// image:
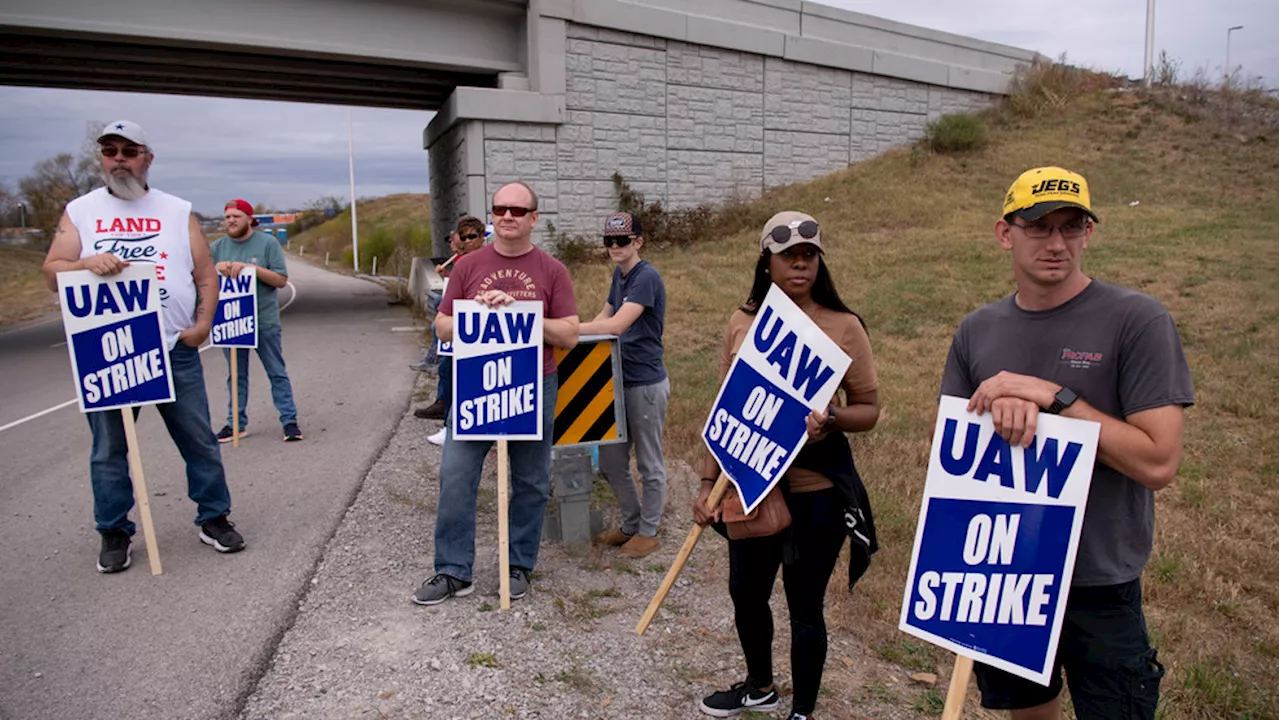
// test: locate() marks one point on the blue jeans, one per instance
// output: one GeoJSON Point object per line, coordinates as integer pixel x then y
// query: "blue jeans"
{"type": "Point", "coordinates": [187, 419]}
{"type": "Point", "coordinates": [271, 353]}
{"type": "Point", "coordinates": [530, 489]}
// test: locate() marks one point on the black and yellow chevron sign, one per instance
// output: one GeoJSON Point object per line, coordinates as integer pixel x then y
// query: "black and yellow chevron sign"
{"type": "Point", "coordinates": [586, 403]}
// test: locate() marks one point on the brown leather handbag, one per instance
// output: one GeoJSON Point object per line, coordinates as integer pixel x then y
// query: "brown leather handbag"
{"type": "Point", "coordinates": [770, 517]}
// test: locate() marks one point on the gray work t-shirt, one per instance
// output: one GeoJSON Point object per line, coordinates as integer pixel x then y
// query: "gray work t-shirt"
{"type": "Point", "coordinates": [264, 251]}
{"type": "Point", "coordinates": [641, 344]}
{"type": "Point", "coordinates": [1119, 350]}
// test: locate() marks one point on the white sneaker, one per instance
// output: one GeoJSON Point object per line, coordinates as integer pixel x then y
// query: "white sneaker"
{"type": "Point", "coordinates": [436, 438]}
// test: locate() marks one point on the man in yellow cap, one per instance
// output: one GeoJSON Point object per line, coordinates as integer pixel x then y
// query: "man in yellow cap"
{"type": "Point", "coordinates": [1068, 344]}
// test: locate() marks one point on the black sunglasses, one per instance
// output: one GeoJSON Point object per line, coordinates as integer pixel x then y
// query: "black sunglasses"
{"type": "Point", "coordinates": [617, 240]}
{"type": "Point", "coordinates": [129, 151]}
{"type": "Point", "coordinates": [515, 210]}
{"type": "Point", "coordinates": [470, 236]}
{"type": "Point", "coordinates": [782, 233]}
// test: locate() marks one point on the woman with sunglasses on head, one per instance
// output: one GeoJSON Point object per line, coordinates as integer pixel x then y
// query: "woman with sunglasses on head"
{"type": "Point", "coordinates": [822, 489]}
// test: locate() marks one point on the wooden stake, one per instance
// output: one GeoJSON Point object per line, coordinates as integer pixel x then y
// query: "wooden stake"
{"type": "Point", "coordinates": [504, 562]}
{"type": "Point", "coordinates": [140, 491]}
{"type": "Point", "coordinates": [958, 689]}
{"type": "Point", "coordinates": [713, 501]}
{"type": "Point", "coordinates": [235, 400]}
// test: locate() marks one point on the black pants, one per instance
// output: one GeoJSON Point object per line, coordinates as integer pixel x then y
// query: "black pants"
{"type": "Point", "coordinates": [817, 534]}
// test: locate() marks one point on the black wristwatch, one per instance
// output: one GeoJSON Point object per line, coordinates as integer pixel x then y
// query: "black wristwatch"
{"type": "Point", "coordinates": [1061, 401]}
{"type": "Point", "coordinates": [830, 423]}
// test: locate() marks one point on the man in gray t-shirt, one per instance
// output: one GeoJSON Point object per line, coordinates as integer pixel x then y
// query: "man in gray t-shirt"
{"type": "Point", "coordinates": [1067, 344]}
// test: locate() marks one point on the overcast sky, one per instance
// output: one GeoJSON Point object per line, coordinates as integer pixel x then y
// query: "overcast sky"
{"type": "Point", "coordinates": [284, 154]}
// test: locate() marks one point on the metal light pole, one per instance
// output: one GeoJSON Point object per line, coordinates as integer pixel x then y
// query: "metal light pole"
{"type": "Point", "coordinates": [1151, 38]}
{"type": "Point", "coordinates": [1227, 67]}
{"type": "Point", "coordinates": [351, 165]}
{"type": "Point", "coordinates": [22, 212]}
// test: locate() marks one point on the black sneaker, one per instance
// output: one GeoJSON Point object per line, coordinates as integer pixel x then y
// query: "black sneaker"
{"type": "Point", "coordinates": [117, 552]}
{"type": "Point", "coordinates": [292, 433]}
{"type": "Point", "coordinates": [519, 582]}
{"type": "Point", "coordinates": [440, 588]}
{"type": "Point", "coordinates": [221, 534]}
{"type": "Point", "coordinates": [800, 716]}
{"type": "Point", "coordinates": [739, 699]}
{"type": "Point", "coordinates": [224, 435]}
{"type": "Point", "coordinates": [434, 411]}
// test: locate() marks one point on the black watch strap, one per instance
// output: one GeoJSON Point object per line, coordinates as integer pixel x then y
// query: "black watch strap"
{"type": "Point", "coordinates": [1061, 401]}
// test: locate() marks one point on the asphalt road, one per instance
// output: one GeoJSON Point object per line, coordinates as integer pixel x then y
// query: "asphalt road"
{"type": "Point", "coordinates": [188, 643]}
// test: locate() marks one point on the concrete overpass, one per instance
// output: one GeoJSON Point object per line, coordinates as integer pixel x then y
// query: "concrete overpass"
{"type": "Point", "coordinates": [690, 100]}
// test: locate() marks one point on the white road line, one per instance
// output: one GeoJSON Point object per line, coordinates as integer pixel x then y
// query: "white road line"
{"type": "Point", "coordinates": [68, 403]}
{"type": "Point", "coordinates": [291, 297]}
{"type": "Point", "coordinates": [73, 401]}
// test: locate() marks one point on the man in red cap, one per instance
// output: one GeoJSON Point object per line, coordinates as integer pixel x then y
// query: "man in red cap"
{"type": "Point", "coordinates": [240, 248]}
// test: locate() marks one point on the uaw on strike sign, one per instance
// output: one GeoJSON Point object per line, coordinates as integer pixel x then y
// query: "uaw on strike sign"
{"type": "Point", "coordinates": [497, 371]}
{"type": "Point", "coordinates": [115, 338]}
{"type": "Point", "coordinates": [996, 542]}
{"type": "Point", "coordinates": [785, 368]}
{"type": "Point", "coordinates": [235, 323]}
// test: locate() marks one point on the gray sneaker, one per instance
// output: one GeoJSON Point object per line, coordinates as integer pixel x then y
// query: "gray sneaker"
{"type": "Point", "coordinates": [440, 588]}
{"type": "Point", "coordinates": [519, 582]}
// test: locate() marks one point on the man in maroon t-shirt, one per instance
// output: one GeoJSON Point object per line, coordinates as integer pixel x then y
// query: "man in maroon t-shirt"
{"type": "Point", "coordinates": [510, 268]}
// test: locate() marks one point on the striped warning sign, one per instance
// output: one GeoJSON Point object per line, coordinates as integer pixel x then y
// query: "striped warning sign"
{"type": "Point", "coordinates": [588, 405]}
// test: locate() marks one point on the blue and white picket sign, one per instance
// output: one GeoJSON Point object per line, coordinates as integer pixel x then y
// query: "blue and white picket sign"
{"type": "Point", "coordinates": [444, 347]}
{"type": "Point", "coordinates": [235, 323]}
{"type": "Point", "coordinates": [785, 368]}
{"type": "Point", "coordinates": [115, 338]}
{"type": "Point", "coordinates": [997, 537]}
{"type": "Point", "coordinates": [497, 371]}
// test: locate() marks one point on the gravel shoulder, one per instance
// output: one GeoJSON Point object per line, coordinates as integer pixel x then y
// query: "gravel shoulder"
{"type": "Point", "coordinates": [359, 648]}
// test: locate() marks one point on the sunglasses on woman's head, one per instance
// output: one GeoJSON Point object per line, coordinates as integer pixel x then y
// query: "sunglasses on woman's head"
{"type": "Point", "coordinates": [515, 210]}
{"type": "Point", "coordinates": [617, 240]}
{"type": "Point", "coordinates": [129, 151]}
{"type": "Point", "coordinates": [782, 233]}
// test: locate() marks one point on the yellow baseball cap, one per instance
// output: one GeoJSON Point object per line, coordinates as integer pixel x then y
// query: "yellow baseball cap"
{"type": "Point", "coordinates": [1040, 191]}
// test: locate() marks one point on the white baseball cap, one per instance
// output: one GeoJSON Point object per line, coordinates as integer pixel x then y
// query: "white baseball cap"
{"type": "Point", "coordinates": [126, 129]}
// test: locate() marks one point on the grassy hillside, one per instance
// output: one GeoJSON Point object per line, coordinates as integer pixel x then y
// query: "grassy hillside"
{"type": "Point", "coordinates": [24, 295]}
{"type": "Point", "coordinates": [1187, 193]}
{"type": "Point", "coordinates": [387, 224]}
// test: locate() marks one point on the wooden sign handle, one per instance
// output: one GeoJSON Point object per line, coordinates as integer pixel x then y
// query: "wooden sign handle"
{"type": "Point", "coordinates": [958, 688]}
{"type": "Point", "coordinates": [140, 491]}
{"type": "Point", "coordinates": [713, 500]}
{"type": "Point", "coordinates": [504, 562]}
{"type": "Point", "coordinates": [235, 399]}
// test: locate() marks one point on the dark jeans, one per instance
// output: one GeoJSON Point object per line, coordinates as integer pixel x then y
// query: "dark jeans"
{"type": "Point", "coordinates": [1111, 667]}
{"type": "Point", "coordinates": [187, 419]}
{"type": "Point", "coordinates": [817, 533]}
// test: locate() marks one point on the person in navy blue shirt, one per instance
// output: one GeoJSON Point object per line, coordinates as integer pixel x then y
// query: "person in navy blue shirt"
{"type": "Point", "coordinates": [635, 311]}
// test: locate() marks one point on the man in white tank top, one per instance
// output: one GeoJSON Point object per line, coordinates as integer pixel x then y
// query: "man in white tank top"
{"type": "Point", "coordinates": [104, 231]}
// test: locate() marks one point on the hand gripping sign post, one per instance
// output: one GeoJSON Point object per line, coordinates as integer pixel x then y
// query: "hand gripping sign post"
{"type": "Point", "coordinates": [996, 542]}
{"type": "Point", "coordinates": [786, 368]}
{"type": "Point", "coordinates": [497, 391]}
{"type": "Point", "coordinates": [119, 358]}
{"type": "Point", "coordinates": [235, 325]}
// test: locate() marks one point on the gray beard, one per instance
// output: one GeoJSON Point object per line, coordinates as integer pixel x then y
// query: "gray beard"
{"type": "Point", "coordinates": [125, 186]}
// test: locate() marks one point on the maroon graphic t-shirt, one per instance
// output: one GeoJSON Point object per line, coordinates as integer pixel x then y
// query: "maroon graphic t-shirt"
{"type": "Point", "coordinates": [534, 275]}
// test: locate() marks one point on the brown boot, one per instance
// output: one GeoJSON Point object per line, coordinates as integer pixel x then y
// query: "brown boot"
{"type": "Point", "coordinates": [614, 537]}
{"type": "Point", "coordinates": [639, 546]}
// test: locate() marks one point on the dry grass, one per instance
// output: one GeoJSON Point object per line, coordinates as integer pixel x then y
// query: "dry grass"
{"type": "Point", "coordinates": [910, 246]}
{"type": "Point", "coordinates": [386, 223]}
{"type": "Point", "coordinates": [23, 294]}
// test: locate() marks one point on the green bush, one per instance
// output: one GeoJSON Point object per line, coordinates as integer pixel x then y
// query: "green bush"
{"type": "Point", "coordinates": [955, 133]}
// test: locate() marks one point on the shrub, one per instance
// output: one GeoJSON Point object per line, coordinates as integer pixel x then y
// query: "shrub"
{"type": "Point", "coordinates": [956, 132]}
{"type": "Point", "coordinates": [1045, 87]}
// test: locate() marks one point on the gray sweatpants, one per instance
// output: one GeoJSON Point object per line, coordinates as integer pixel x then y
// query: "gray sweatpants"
{"type": "Point", "coordinates": [646, 414]}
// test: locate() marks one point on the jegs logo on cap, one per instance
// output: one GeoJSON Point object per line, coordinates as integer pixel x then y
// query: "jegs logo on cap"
{"type": "Point", "coordinates": [1039, 191]}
